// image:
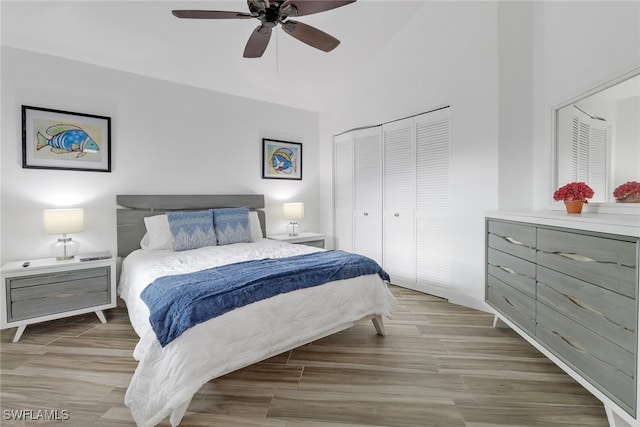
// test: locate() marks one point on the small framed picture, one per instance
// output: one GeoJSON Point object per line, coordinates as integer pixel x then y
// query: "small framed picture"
{"type": "Point", "coordinates": [281, 159]}
{"type": "Point", "coordinates": [54, 139]}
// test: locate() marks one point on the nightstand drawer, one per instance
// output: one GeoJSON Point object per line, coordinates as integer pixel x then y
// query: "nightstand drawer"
{"type": "Point", "coordinates": [59, 277]}
{"type": "Point", "coordinates": [46, 294]}
{"type": "Point", "coordinates": [306, 238]}
{"type": "Point", "coordinates": [315, 243]}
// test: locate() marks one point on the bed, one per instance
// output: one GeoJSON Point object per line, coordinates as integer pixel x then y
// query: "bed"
{"type": "Point", "coordinates": [170, 373]}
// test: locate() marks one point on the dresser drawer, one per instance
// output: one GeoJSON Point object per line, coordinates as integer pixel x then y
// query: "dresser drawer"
{"type": "Point", "coordinates": [515, 239]}
{"type": "Point", "coordinates": [514, 271]}
{"type": "Point", "coordinates": [42, 295]}
{"type": "Point", "coordinates": [606, 262]}
{"type": "Point", "coordinates": [609, 367]}
{"type": "Point", "coordinates": [609, 314]}
{"type": "Point", "coordinates": [515, 305]}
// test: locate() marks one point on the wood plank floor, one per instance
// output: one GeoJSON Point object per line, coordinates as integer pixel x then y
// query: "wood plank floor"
{"type": "Point", "coordinates": [439, 365]}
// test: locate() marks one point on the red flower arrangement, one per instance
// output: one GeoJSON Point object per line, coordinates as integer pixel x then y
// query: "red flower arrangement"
{"type": "Point", "coordinates": [628, 191]}
{"type": "Point", "coordinates": [573, 191]}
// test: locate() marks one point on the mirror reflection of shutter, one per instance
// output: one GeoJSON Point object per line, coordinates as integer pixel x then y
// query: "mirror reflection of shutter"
{"type": "Point", "coordinates": [583, 152]}
{"type": "Point", "coordinates": [599, 160]}
{"type": "Point", "coordinates": [590, 138]}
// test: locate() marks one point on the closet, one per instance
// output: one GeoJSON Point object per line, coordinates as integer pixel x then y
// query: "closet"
{"type": "Point", "coordinates": [358, 192]}
{"type": "Point", "coordinates": [391, 198]}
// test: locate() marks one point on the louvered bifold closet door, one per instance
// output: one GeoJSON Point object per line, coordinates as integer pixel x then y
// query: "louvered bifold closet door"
{"type": "Point", "coordinates": [367, 178]}
{"type": "Point", "coordinates": [398, 201]}
{"type": "Point", "coordinates": [432, 202]}
{"type": "Point", "coordinates": [343, 191]}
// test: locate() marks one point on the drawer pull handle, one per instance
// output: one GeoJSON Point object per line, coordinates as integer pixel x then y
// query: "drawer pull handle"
{"type": "Point", "coordinates": [509, 302]}
{"type": "Point", "coordinates": [512, 271]}
{"type": "Point", "coordinates": [511, 240]}
{"type": "Point", "coordinates": [514, 241]}
{"type": "Point", "coordinates": [576, 257]}
{"type": "Point", "coordinates": [507, 269]}
{"type": "Point", "coordinates": [583, 306]}
{"type": "Point", "coordinates": [581, 349]}
{"type": "Point", "coordinates": [573, 344]}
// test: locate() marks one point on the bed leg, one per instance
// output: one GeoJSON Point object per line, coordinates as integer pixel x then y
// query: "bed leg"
{"type": "Point", "coordinates": [176, 415]}
{"type": "Point", "coordinates": [378, 324]}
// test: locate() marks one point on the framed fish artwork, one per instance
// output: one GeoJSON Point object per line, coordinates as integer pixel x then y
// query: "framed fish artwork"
{"type": "Point", "coordinates": [281, 159]}
{"type": "Point", "coordinates": [55, 139]}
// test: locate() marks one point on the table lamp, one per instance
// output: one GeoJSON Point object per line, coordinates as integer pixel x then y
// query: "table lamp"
{"type": "Point", "coordinates": [293, 212]}
{"type": "Point", "coordinates": [64, 221]}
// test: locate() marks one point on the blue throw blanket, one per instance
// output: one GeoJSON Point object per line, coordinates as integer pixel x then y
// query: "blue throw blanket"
{"type": "Point", "coordinates": [178, 302]}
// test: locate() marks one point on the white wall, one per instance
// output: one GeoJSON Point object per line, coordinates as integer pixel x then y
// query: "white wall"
{"type": "Point", "coordinates": [577, 46]}
{"type": "Point", "coordinates": [450, 58]}
{"type": "Point", "coordinates": [515, 46]}
{"type": "Point", "coordinates": [166, 138]}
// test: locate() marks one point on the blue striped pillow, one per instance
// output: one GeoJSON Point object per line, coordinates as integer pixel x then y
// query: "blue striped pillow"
{"type": "Point", "coordinates": [191, 229]}
{"type": "Point", "coordinates": [232, 225]}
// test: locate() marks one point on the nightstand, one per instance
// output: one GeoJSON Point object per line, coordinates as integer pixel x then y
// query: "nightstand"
{"type": "Point", "coordinates": [306, 238]}
{"type": "Point", "coordinates": [48, 289]}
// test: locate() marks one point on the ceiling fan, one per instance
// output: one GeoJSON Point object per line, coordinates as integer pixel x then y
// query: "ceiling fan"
{"type": "Point", "coordinates": [274, 12]}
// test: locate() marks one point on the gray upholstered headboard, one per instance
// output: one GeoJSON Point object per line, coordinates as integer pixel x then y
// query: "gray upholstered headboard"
{"type": "Point", "coordinates": [132, 209]}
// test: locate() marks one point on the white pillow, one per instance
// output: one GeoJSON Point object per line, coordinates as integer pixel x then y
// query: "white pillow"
{"type": "Point", "coordinates": [254, 226]}
{"type": "Point", "coordinates": [158, 234]}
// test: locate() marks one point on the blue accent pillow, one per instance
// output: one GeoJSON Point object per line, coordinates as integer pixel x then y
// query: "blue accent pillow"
{"type": "Point", "coordinates": [232, 225]}
{"type": "Point", "coordinates": [191, 229]}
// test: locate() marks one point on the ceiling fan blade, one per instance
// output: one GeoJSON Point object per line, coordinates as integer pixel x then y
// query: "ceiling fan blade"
{"type": "Point", "coordinates": [210, 14]}
{"type": "Point", "coordinates": [257, 43]}
{"type": "Point", "coordinates": [309, 7]}
{"type": "Point", "coordinates": [310, 35]}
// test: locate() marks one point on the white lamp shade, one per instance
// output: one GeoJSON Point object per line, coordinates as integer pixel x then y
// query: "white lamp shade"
{"type": "Point", "coordinates": [293, 211]}
{"type": "Point", "coordinates": [63, 221]}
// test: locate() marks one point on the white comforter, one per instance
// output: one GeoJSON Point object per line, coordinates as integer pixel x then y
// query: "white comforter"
{"type": "Point", "coordinates": [167, 378]}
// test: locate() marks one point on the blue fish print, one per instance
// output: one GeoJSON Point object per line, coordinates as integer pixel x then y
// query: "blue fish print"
{"type": "Point", "coordinates": [282, 160]}
{"type": "Point", "coordinates": [65, 138]}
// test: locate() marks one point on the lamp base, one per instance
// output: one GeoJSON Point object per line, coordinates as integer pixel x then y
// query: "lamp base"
{"type": "Point", "coordinates": [293, 229]}
{"type": "Point", "coordinates": [64, 249]}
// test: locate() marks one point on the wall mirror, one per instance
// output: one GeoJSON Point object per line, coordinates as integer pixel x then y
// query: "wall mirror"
{"type": "Point", "coordinates": [597, 137]}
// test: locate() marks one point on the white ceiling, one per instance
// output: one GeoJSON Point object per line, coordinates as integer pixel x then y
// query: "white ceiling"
{"type": "Point", "coordinates": [143, 37]}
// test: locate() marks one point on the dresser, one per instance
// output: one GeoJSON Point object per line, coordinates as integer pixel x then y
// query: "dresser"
{"type": "Point", "coordinates": [569, 285]}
